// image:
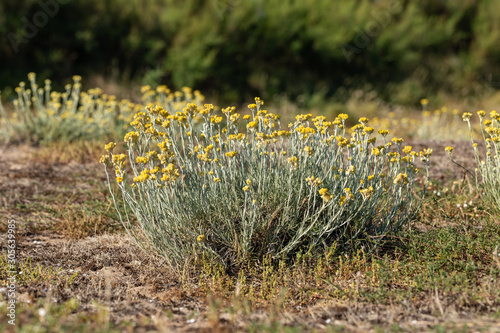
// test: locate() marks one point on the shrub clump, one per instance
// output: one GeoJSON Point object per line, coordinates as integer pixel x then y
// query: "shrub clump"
{"type": "Point", "coordinates": [42, 115]}
{"type": "Point", "coordinates": [237, 187]}
{"type": "Point", "coordinates": [487, 173]}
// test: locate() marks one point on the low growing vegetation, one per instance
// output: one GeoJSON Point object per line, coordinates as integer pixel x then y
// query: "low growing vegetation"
{"type": "Point", "coordinates": [42, 115]}
{"type": "Point", "coordinates": [315, 226]}
{"type": "Point", "coordinates": [202, 188]}
{"type": "Point", "coordinates": [487, 170]}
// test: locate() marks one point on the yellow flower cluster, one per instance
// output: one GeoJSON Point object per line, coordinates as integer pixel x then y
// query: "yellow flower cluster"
{"type": "Point", "coordinates": [309, 151]}
{"type": "Point", "coordinates": [305, 131]}
{"type": "Point", "coordinates": [303, 117]}
{"type": "Point", "coordinates": [231, 154]}
{"type": "Point", "coordinates": [144, 175]}
{"type": "Point", "coordinates": [131, 137]}
{"type": "Point", "coordinates": [105, 159]}
{"type": "Point", "coordinates": [325, 195]}
{"type": "Point", "coordinates": [251, 125]}
{"type": "Point", "coordinates": [363, 120]}
{"type": "Point", "coordinates": [367, 192]}
{"type": "Point", "coordinates": [293, 162]}
{"type": "Point", "coordinates": [110, 146]}
{"type": "Point", "coordinates": [119, 160]}
{"type": "Point", "coordinates": [401, 178]}
{"type": "Point", "coordinates": [348, 194]}
{"type": "Point", "coordinates": [236, 137]}
{"type": "Point", "coordinates": [313, 181]}
{"type": "Point", "coordinates": [141, 159]}
{"type": "Point", "coordinates": [170, 173]}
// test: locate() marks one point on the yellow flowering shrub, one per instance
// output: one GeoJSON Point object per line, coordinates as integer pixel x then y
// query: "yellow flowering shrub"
{"type": "Point", "coordinates": [44, 115]}
{"type": "Point", "coordinates": [487, 173]}
{"type": "Point", "coordinates": [248, 187]}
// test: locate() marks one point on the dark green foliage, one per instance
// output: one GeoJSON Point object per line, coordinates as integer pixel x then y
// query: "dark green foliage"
{"type": "Point", "coordinates": [241, 48]}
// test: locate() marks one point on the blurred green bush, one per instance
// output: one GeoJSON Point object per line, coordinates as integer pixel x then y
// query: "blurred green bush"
{"type": "Point", "coordinates": [404, 50]}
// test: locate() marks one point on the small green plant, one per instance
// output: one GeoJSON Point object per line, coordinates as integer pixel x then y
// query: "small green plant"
{"type": "Point", "coordinates": [28, 273]}
{"type": "Point", "coordinates": [203, 186]}
{"type": "Point", "coordinates": [488, 169]}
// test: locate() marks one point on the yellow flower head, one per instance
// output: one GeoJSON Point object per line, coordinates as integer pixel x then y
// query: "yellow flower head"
{"type": "Point", "coordinates": [427, 152]}
{"type": "Point", "coordinates": [105, 160]}
{"type": "Point", "coordinates": [323, 191]}
{"type": "Point", "coordinates": [231, 154]}
{"type": "Point", "coordinates": [252, 124]}
{"type": "Point", "coordinates": [303, 117]}
{"type": "Point", "coordinates": [313, 181]}
{"type": "Point", "coordinates": [200, 238]}
{"type": "Point", "coordinates": [325, 195]}
{"type": "Point", "coordinates": [401, 178]}
{"type": "Point", "coordinates": [492, 131]}
{"type": "Point", "coordinates": [367, 192]}
{"type": "Point", "coordinates": [368, 130]}
{"type": "Point", "coordinates": [397, 140]}
{"type": "Point", "coordinates": [357, 128]}
{"type": "Point", "coordinates": [308, 150]}
{"type": "Point", "coordinates": [363, 120]}
{"type": "Point", "coordinates": [383, 132]}
{"type": "Point", "coordinates": [110, 146]}
{"type": "Point", "coordinates": [215, 119]}
{"type": "Point", "coordinates": [293, 161]}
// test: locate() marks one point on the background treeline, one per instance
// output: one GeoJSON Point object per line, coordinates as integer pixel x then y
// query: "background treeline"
{"type": "Point", "coordinates": [236, 49]}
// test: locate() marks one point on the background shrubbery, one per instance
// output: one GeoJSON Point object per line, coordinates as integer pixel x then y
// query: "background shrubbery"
{"type": "Point", "coordinates": [235, 49]}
